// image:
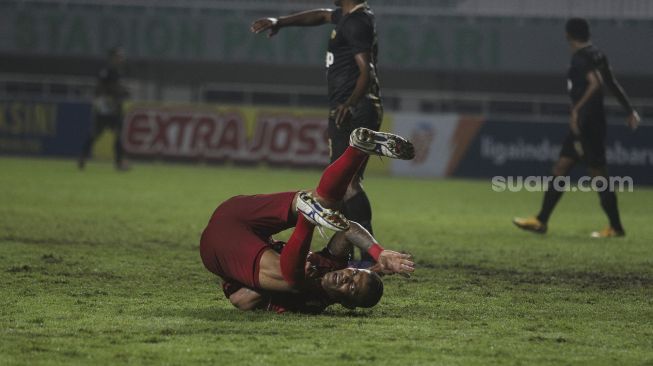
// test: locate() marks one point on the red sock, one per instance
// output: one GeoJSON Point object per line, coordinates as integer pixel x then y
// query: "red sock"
{"type": "Point", "coordinates": [336, 177]}
{"type": "Point", "coordinates": [293, 256]}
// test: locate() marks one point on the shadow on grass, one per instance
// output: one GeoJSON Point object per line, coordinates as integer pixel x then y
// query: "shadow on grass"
{"type": "Point", "coordinates": [228, 314]}
{"type": "Point", "coordinates": [578, 279]}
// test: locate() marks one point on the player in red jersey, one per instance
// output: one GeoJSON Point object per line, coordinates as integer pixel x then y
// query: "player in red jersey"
{"type": "Point", "coordinates": [259, 272]}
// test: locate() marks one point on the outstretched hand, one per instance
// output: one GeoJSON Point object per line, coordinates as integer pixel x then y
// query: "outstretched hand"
{"type": "Point", "coordinates": [633, 120]}
{"type": "Point", "coordinates": [391, 262]}
{"type": "Point", "coordinates": [263, 24]}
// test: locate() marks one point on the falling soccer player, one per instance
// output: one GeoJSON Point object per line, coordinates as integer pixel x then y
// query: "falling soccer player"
{"type": "Point", "coordinates": [353, 84]}
{"type": "Point", "coordinates": [261, 273]}
{"type": "Point", "coordinates": [585, 142]}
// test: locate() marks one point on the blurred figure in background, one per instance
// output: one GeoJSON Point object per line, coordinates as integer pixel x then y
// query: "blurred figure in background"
{"type": "Point", "coordinates": [110, 94]}
{"type": "Point", "coordinates": [588, 72]}
{"type": "Point", "coordinates": [354, 95]}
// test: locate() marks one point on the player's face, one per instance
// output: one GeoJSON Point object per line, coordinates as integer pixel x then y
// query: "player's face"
{"type": "Point", "coordinates": [347, 285]}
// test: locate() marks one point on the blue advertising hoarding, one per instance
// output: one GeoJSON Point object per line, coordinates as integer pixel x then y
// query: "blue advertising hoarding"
{"type": "Point", "coordinates": [37, 128]}
{"type": "Point", "coordinates": [519, 148]}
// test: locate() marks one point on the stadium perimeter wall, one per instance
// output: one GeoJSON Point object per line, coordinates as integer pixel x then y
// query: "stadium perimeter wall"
{"type": "Point", "coordinates": [447, 145]}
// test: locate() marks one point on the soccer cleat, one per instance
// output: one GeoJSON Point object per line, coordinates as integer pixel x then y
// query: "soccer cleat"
{"type": "Point", "coordinates": [608, 232]}
{"type": "Point", "coordinates": [530, 224]}
{"type": "Point", "coordinates": [381, 143]}
{"type": "Point", "coordinates": [320, 216]}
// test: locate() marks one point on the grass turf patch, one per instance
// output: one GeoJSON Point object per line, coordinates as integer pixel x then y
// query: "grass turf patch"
{"type": "Point", "coordinates": [103, 267]}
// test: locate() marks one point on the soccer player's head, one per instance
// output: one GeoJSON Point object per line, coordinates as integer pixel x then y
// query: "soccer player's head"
{"type": "Point", "coordinates": [578, 29]}
{"type": "Point", "coordinates": [353, 287]}
{"type": "Point", "coordinates": [116, 55]}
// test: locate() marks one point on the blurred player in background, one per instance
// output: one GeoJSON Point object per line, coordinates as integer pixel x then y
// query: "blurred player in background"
{"type": "Point", "coordinates": [110, 94]}
{"type": "Point", "coordinates": [585, 142]}
{"type": "Point", "coordinates": [354, 96]}
{"type": "Point", "coordinates": [261, 273]}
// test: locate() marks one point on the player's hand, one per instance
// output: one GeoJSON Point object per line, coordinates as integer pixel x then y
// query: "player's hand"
{"type": "Point", "coordinates": [343, 115]}
{"type": "Point", "coordinates": [392, 262]}
{"type": "Point", "coordinates": [263, 24]}
{"type": "Point", "coordinates": [633, 120]}
{"type": "Point", "coordinates": [573, 122]}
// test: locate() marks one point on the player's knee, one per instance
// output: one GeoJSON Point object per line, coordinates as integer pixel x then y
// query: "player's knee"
{"type": "Point", "coordinates": [561, 168]}
{"type": "Point", "coordinates": [598, 171]}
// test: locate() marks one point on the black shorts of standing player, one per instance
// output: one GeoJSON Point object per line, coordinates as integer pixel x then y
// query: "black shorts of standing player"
{"type": "Point", "coordinates": [589, 146]}
{"type": "Point", "coordinates": [367, 113]}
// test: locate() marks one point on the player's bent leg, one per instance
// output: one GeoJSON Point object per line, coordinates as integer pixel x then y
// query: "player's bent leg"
{"type": "Point", "coordinates": [382, 144]}
{"type": "Point", "coordinates": [539, 224]}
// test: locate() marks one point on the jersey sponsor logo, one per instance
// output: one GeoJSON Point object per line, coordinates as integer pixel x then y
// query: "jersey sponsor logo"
{"type": "Point", "coordinates": [329, 59]}
{"type": "Point", "coordinates": [274, 137]}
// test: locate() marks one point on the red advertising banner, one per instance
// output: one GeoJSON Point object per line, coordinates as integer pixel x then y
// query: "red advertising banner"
{"type": "Point", "coordinates": [241, 135]}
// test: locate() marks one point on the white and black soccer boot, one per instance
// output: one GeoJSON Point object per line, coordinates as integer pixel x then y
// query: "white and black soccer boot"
{"type": "Point", "coordinates": [322, 217]}
{"type": "Point", "coordinates": [381, 143]}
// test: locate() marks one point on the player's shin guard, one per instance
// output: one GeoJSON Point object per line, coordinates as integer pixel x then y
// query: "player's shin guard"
{"type": "Point", "coordinates": [551, 198]}
{"type": "Point", "coordinates": [337, 176]}
{"type": "Point", "coordinates": [293, 256]}
{"type": "Point", "coordinates": [609, 205]}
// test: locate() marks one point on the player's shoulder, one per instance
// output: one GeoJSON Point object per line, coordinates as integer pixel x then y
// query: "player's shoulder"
{"type": "Point", "coordinates": [590, 55]}
{"type": "Point", "coordinates": [360, 18]}
{"type": "Point", "coordinates": [324, 261]}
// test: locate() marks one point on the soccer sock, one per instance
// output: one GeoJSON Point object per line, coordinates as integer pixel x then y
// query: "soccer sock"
{"type": "Point", "coordinates": [336, 177]}
{"type": "Point", "coordinates": [358, 209]}
{"type": "Point", "coordinates": [293, 255]}
{"type": "Point", "coordinates": [609, 204]}
{"type": "Point", "coordinates": [551, 198]}
{"type": "Point", "coordinates": [118, 150]}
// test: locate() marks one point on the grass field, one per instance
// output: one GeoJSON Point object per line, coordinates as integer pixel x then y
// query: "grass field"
{"type": "Point", "coordinates": [100, 267]}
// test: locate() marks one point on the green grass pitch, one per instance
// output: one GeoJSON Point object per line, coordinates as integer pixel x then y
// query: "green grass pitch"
{"type": "Point", "coordinates": [102, 268]}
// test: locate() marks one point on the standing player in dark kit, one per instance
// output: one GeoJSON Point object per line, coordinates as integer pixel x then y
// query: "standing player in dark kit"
{"type": "Point", "coordinates": [354, 97]}
{"type": "Point", "coordinates": [586, 139]}
{"type": "Point", "coordinates": [110, 94]}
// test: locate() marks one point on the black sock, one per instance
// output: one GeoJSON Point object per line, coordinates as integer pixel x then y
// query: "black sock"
{"type": "Point", "coordinates": [551, 198]}
{"type": "Point", "coordinates": [609, 204]}
{"type": "Point", "coordinates": [358, 209]}
{"type": "Point", "coordinates": [86, 148]}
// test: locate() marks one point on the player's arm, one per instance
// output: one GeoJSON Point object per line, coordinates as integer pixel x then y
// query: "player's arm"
{"type": "Point", "coordinates": [617, 90]}
{"type": "Point", "coordinates": [594, 84]}
{"type": "Point", "coordinates": [362, 85]}
{"type": "Point", "coordinates": [388, 261]}
{"type": "Point", "coordinates": [248, 299]}
{"type": "Point", "coordinates": [308, 18]}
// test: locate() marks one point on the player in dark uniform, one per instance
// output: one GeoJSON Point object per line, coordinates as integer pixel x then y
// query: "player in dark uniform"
{"type": "Point", "coordinates": [260, 273]}
{"type": "Point", "coordinates": [354, 96]}
{"type": "Point", "coordinates": [110, 94]}
{"type": "Point", "coordinates": [585, 142]}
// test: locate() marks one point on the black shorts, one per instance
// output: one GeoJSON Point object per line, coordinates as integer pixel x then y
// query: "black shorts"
{"type": "Point", "coordinates": [367, 113]}
{"type": "Point", "coordinates": [589, 147]}
{"type": "Point", "coordinates": [113, 122]}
